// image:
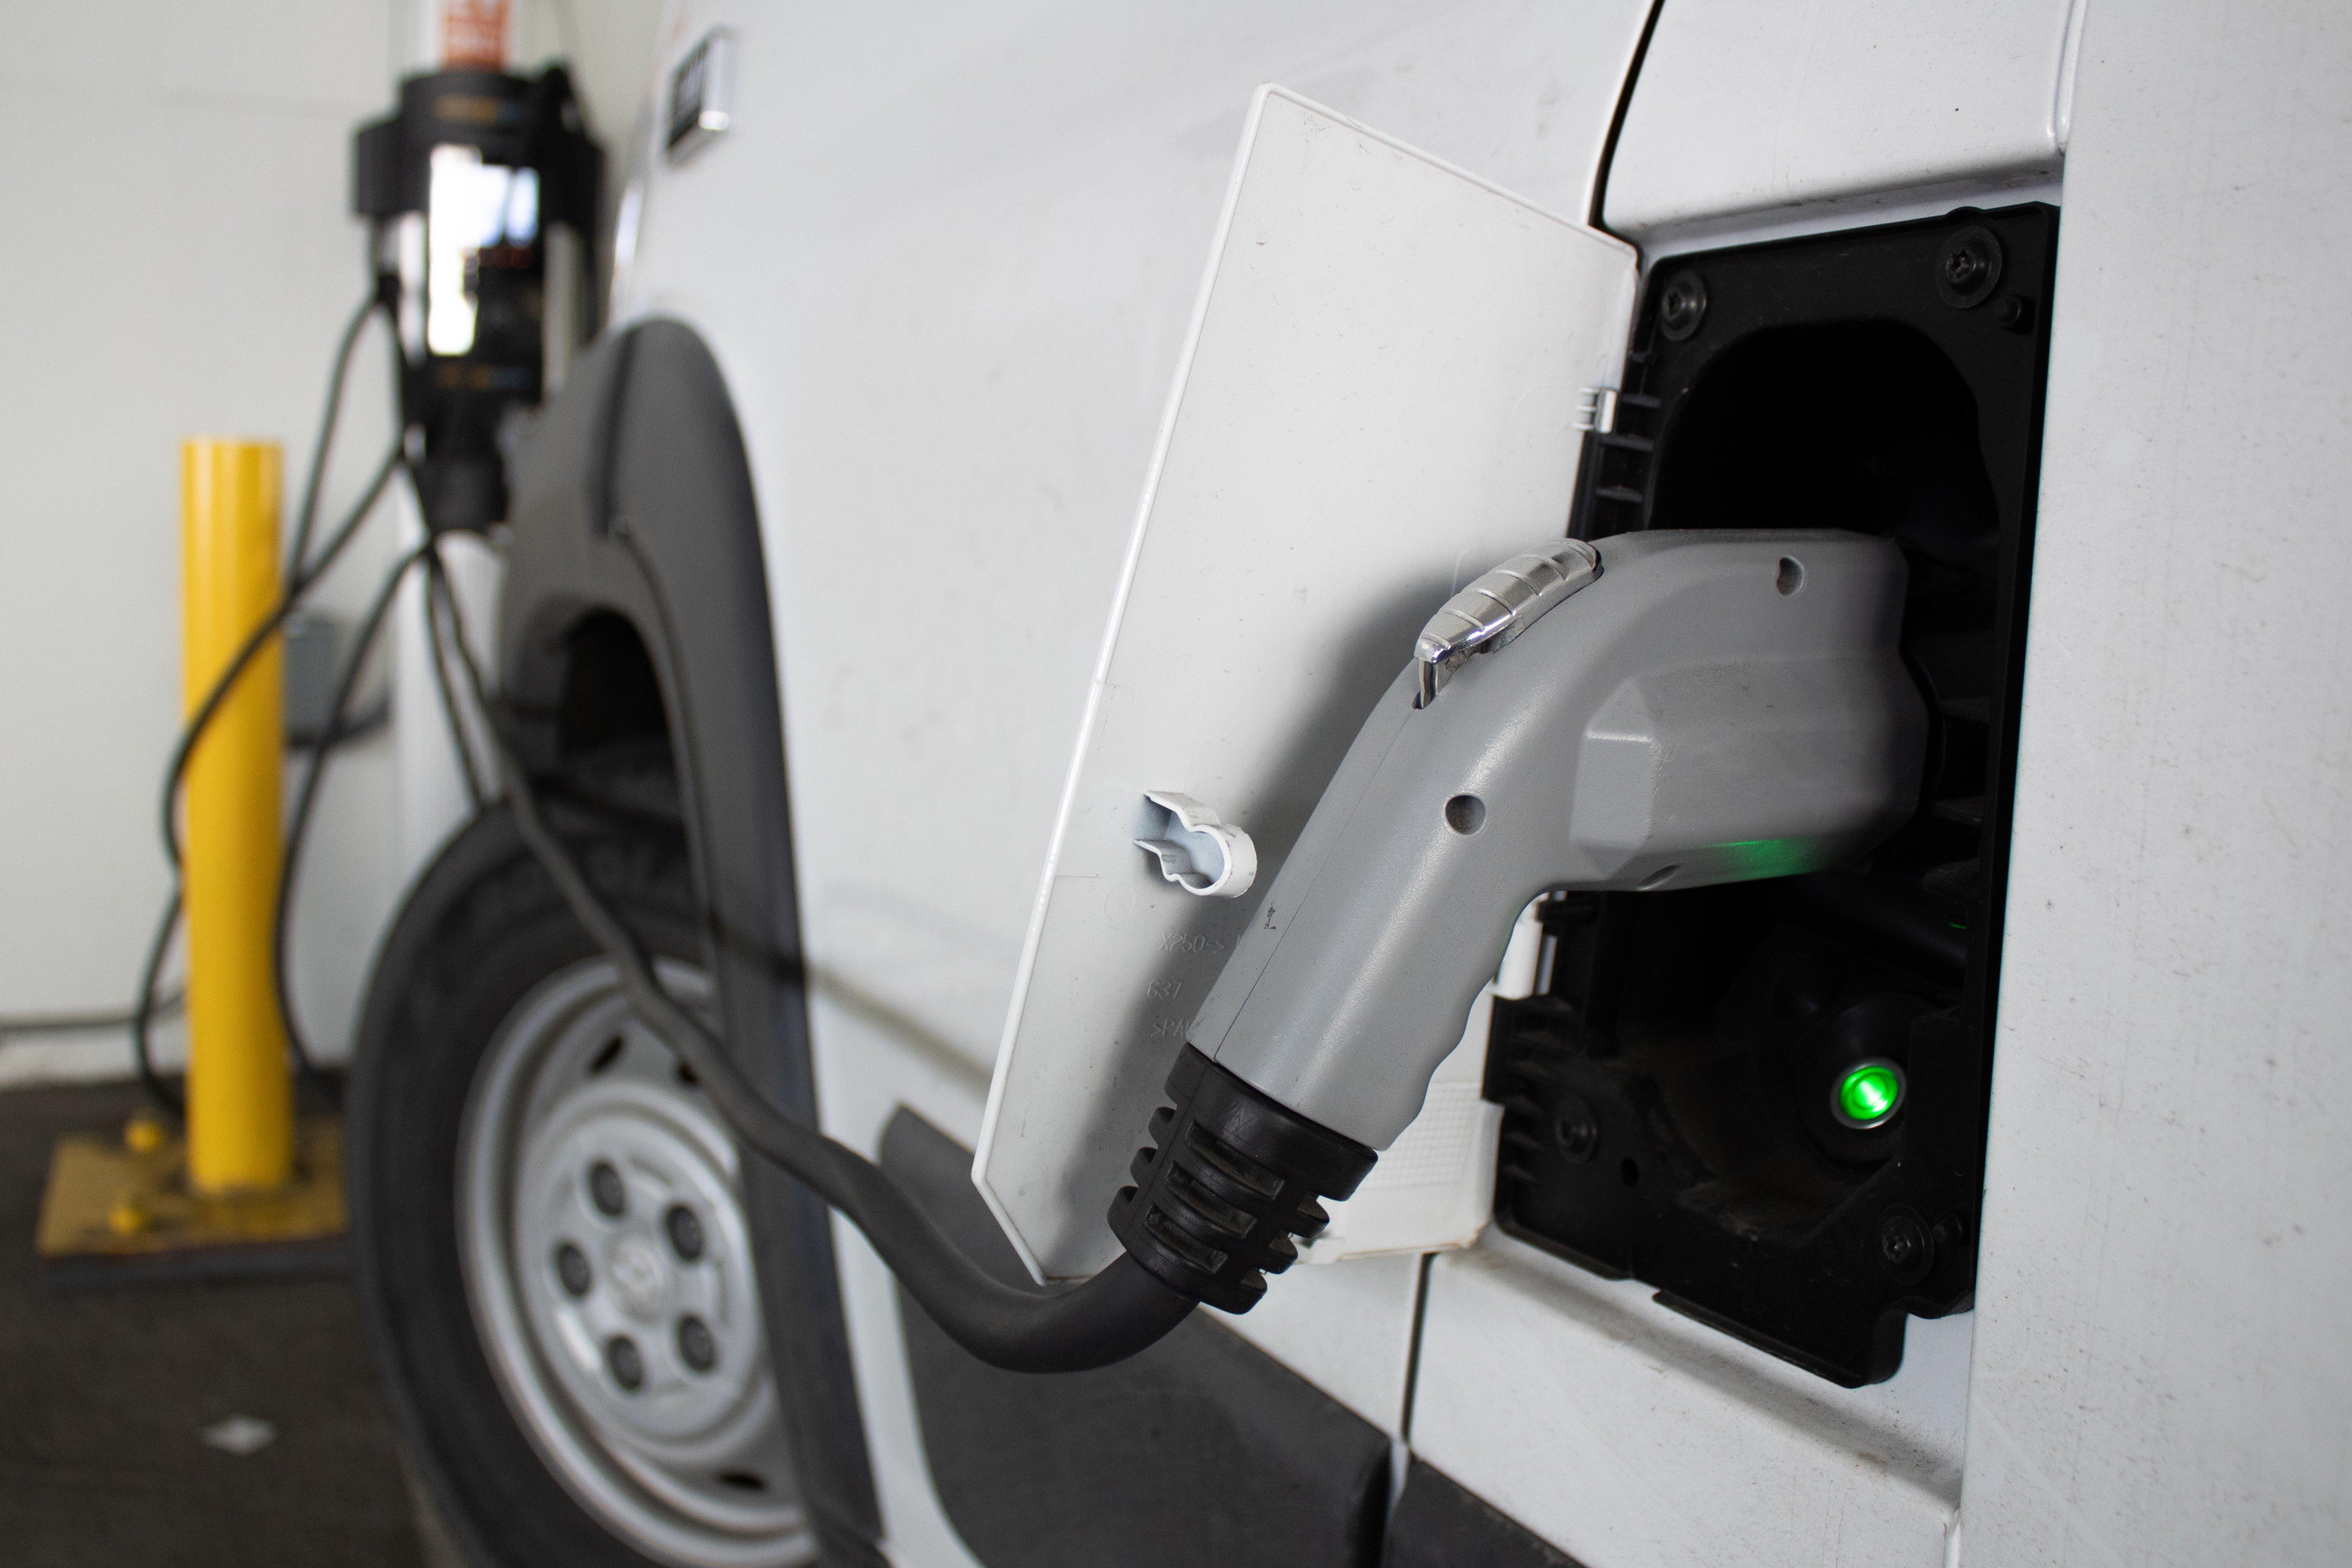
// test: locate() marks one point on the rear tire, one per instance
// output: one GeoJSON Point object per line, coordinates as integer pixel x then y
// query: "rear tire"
{"type": "Point", "coordinates": [581, 1375]}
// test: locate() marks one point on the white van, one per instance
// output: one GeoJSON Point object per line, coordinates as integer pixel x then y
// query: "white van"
{"type": "Point", "coordinates": [1009, 409]}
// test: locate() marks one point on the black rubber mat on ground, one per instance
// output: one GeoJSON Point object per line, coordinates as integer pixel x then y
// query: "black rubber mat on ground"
{"type": "Point", "coordinates": [103, 1395]}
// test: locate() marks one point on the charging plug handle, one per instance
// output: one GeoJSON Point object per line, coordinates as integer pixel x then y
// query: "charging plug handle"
{"type": "Point", "coordinates": [1696, 708]}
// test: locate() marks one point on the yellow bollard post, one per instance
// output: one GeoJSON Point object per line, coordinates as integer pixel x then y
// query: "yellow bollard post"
{"type": "Point", "coordinates": [248, 1191]}
{"type": "Point", "coordinates": [240, 1093]}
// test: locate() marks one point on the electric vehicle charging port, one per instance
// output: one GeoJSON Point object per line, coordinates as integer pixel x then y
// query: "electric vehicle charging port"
{"type": "Point", "coordinates": [1767, 1099]}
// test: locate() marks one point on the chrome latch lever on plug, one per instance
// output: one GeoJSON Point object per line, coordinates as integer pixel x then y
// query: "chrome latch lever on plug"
{"type": "Point", "coordinates": [1495, 609]}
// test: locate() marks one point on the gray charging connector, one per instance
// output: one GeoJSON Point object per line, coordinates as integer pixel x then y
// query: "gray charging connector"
{"type": "Point", "coordinates": [1702, 707]}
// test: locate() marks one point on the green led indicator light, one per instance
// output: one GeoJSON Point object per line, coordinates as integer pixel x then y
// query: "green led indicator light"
{"type": "Point", "coordinates": [1867, 1094]}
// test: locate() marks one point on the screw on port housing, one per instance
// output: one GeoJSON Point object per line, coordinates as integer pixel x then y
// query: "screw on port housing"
{"type": "Point", "coordinates": [1905, 1244]}
{"type": "Point", "coordinates": [1576, 1129]}
{"type": "Point", "coordinates": [1682, 306]}
{"type": "Point", "coordinates": [1969, 270]}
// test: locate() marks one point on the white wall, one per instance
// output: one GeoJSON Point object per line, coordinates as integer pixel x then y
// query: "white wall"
{"type": "Point", "coordinates": [177, 258]}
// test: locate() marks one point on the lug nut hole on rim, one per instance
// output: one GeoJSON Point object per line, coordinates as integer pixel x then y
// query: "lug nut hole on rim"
{"type": "Point", "coordinates": [684, 1227]}
{"type": "Point", "coordinates": [626, 1362]}
{"type": "Point", "coordinates": [572, 1268]}
{"type": "Point", "coordinates": [606, 1190]}
{"type": "Point", "coordinates": [697, 1345]}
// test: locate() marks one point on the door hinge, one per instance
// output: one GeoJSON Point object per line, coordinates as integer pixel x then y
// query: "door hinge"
{"type": "Point", "coordinates": [1596, 409]}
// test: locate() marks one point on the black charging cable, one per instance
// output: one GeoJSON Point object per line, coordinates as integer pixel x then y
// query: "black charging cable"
{"type": "Point", "coordinates": [298, 825]}
{"type": "Point", "coordinates": [440, 620]}
{"type": "Point", "coordinates": [1106, 1319]}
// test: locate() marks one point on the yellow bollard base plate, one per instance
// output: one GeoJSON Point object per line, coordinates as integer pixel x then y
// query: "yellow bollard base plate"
{"type": "Point", "coordinates": [118, 1214]}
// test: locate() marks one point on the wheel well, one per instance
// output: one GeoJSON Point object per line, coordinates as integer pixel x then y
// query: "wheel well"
{"type": "Point", "coordinates": [610, 692]}
{"type": "Point", "coordinates": [644, 430]}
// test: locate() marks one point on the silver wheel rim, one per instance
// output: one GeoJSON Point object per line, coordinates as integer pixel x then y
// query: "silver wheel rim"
{"type": "Point", "coordinates": [627, 1339]}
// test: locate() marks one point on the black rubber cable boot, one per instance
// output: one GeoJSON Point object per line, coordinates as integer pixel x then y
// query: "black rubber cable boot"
{"type": "Point", "coordinates": [1229, 1177]}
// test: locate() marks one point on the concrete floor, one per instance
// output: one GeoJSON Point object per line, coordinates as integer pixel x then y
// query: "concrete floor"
{"type": "Point", "coordinates": [103, 1395]}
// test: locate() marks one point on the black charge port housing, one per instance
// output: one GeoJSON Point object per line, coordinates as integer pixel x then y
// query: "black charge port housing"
{"type": "Point", "coordinates": [1668, 1094]}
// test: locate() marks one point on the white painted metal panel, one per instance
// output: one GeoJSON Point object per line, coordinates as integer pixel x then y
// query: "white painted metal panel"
{"type": "Point", "coordinates": [1633, 1437]}
{"type": "Point", "coordinates": [1380, 402]}
{"type": "Point", "coordinates": [1747, 113]}
{"type": "Point", "coordinates": [2165, 1288]}
{"type": "Point", "coordinates": [1347, 1327]}
{"type": "Point", "coordinates": [946, 257]}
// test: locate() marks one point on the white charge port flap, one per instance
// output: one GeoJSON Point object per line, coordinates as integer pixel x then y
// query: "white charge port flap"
{"type": "Point", "coordinates": [1206, 858]}
{"type": "Point", "coordinates": [1380, 401]}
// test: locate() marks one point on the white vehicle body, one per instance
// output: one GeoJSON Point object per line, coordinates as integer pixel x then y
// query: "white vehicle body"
{"type": "Point", "coordinates": [947, 257]}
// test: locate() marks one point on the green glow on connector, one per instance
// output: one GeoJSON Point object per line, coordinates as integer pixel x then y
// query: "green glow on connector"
{"type": "Point", "coordinates": [1869, 1093]}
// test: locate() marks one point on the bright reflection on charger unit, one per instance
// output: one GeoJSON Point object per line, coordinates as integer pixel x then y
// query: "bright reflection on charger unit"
{"type": "Point", "coordinates": [1867, 1094]}
{"type": "Point", "coordinates": [470, 205]}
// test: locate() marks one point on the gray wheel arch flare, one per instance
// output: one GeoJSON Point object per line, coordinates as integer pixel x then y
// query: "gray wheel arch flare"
{"type": "Point", "coordinates": [633, 497]}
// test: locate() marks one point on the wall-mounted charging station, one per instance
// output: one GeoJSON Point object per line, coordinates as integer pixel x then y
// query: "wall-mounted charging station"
{"type": "Point", "coordinates": [465, 181]}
